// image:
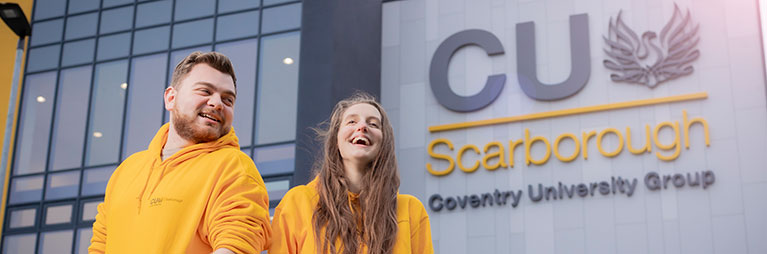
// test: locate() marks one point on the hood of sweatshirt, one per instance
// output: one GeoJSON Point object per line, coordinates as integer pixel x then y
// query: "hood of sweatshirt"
{"type": "Point", "coordinates": [159, 140]}
{"type": "Point", "coordinates": [187, 153]}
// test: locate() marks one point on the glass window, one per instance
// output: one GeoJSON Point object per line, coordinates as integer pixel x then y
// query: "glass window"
{"type": "Point", "coordinates": [58, 214]}
{"type": "Point", "coordinates": [243, 55]}
{"type": "Point", "coordinates": [78, 52]}
{"type": "Point", "coordinates": [237, 25]}
{"type": "Point", "coordinates": [247, 151]}
{"type": "Point", "coordinates": [81, 26]}
{"type": "Point", "coordinates": [69, 125]}
{"type": "Point", "coordinates": [145, 102]}
{"type": "Point", "coordinates": [84, 236]}
{"type": "Point", "coordinates": [43, 58]}
{"type": "Point", "coordinates": [49, 8]}
{"type": "Point", "coordinates": [235, 5]}
{"type": "Point", "coordinates": [19, 244]}
{"type": "Point", "coordinates": [95, 180]}
{"type": "Point", "coordinates": [271, 2]}
{"type": "Point", "coordinates": [62, 185]}
{"type": "Point", "coordinates": [281, 18]}
{"type": "Point", "coordinates": [116, 20]}
{"type": "Point", "coordinates": [26, 189]}
{"type": "Point", "coordinates": [278, 89]}
{"type": "Point", "coordinates": [277, 188]}
{"type": "Point", "coordinates": [90, 210]}
{"type": "Point", "coordinates": [22, 218]}
{"type": "Point", "coordinates": [110, 3]}
{"type": "Point", "coordinates": [192, 33]}
{"type": "Point", "coordinates": [35, 123]}
{"type": "Point", "coordinates": [153, 13]}
{"type": "Point", "coordinates": [55, 241]}
{"type": "Point", "coordinates": [188, 9]}
{"type": "Point", "coordinates": [46, 32]}
{"type": "Point", "coordinates": [150, 40]}
{"type": "Point", "coordinates": [275, 160]}
{"type": "Point", "coordinates": [113, 46]}
{"type": "Point", "coordinates": [106, 117]}
{"type": "Point", "coordinates": [76, 6]}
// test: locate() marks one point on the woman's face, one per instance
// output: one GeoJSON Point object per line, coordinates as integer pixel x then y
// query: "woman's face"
{"type": "Point", "coordinates": [359, 136]}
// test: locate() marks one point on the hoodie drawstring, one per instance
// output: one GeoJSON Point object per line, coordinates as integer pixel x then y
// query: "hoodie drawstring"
{"type": "Point", "coordinates": [141, 194]}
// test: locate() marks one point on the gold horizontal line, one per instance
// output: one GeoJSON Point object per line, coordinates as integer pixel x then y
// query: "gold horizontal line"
{"type": "Point", "coordinates": [572, 111]}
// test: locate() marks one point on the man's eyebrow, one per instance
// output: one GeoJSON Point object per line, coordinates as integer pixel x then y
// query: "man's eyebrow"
{"type": "Point", "coordinates": [211, 86]}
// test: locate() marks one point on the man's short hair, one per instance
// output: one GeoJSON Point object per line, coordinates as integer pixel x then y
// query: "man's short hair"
{"type": "Point", "coordinates": [213, 59]}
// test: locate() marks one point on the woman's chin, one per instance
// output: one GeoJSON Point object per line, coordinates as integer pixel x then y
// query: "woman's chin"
{"type": "Point", "coordinates": [359, 158]}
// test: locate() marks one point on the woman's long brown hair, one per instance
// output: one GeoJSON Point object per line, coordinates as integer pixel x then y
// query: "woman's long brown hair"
{"type": "Point", "coordinates": [377, 199]}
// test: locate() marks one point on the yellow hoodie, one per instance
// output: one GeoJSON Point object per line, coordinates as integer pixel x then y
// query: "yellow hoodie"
{"type": "Point", "coordinates": [294, 231]}
{"type": "Point", "coordinates": [204, 197]}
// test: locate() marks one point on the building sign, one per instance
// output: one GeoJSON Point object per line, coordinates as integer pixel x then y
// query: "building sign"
{"type": "Point", "coordinates": [624, 47]}
{"type": "Point", "coordinates": [590, 126]}
{"type": "Point", "coordinates": [528, 79]}
{"type": "Point", "coordinates": [672, 52]}
{"type": "Point", "coordinates": [612, 186]}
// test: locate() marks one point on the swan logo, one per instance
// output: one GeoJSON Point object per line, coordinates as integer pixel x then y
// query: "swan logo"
{"type": "Point", "coordinates": [649, 60]}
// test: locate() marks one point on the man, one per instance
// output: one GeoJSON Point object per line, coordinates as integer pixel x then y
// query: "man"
{"type": "Point", "coordinates": [192, 190]}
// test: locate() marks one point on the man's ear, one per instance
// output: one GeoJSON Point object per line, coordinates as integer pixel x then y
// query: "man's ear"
{"type": "Point", "coordinates": [170, 97]}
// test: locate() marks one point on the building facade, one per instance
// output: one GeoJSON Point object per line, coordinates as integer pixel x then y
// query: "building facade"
{"type": "Point", "coordinates": [581, 126]}
{"type": "Point", "coordinates": [522, 126]}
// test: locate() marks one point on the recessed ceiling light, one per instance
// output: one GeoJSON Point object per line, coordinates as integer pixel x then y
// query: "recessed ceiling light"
{"type": "Point", "coordinates": [287, 60]}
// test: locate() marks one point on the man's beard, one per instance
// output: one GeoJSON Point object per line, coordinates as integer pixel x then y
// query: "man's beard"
{"type": "Point", "coordinates": [188, 129]}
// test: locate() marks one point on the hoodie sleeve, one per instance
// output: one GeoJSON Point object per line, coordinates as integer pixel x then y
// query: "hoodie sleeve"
{"type": "Point", "coordinates": [99, 239]}
{"type": "Point", "coordinates": [420, 238]}
{"type": "Point", "coordinates": [287, 224]}
{"type": "Point", "coordinates": [237, 217]}
{"type": "Point", "coordinates": [283, 237]}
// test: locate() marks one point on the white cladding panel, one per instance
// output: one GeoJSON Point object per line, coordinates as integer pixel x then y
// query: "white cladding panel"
{"type": "Point", "coordinates": [729, 216]}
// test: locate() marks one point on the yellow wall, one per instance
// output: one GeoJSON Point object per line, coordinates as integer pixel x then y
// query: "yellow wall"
{"type": "Point", "coordinates": [8, 42]}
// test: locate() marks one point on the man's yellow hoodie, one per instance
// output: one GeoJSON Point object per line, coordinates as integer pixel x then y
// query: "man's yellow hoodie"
{"type": "Point", "coordinates": [205, 197]}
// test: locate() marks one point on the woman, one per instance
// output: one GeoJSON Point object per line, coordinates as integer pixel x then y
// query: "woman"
{"type": "Point", "coordinates": [353, 205]}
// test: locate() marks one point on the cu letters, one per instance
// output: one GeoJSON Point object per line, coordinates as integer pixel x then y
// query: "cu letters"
{"type": "Point", "coordinates": [526, 68]}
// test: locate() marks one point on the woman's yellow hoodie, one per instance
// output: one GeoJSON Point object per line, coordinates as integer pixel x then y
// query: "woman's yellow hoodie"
{"type": "Point", "coordinates": [294, 231]}
{"type": "Point", "coordinates": [204, 197]}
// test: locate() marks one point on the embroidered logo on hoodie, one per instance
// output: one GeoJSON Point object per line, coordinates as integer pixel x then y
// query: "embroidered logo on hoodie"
{"type": "Point", "coordinates": [154, 202]}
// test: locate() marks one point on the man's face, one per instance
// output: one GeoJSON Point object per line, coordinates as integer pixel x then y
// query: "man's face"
{"type": "Point", "coordinates": [202, 104]}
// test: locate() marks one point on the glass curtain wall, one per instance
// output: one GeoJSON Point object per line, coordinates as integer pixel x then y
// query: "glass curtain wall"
{"type": "Point", "coordinates": [92, 96]}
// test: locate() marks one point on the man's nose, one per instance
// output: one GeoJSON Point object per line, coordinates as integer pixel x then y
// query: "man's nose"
{"type": "Point", "coordinates": [216, 102]}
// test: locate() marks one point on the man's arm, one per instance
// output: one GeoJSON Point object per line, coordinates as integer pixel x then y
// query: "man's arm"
{"type": "Point", "coordinates": [237, 217]}
{"type": "Point", "coordinates": [99, 239]}
{"type": "Point", "coordinates": [223, 251]}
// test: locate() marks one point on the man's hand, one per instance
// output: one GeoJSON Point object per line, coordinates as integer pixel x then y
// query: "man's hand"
{"type": "Point", "coordinates": [223, 251]}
